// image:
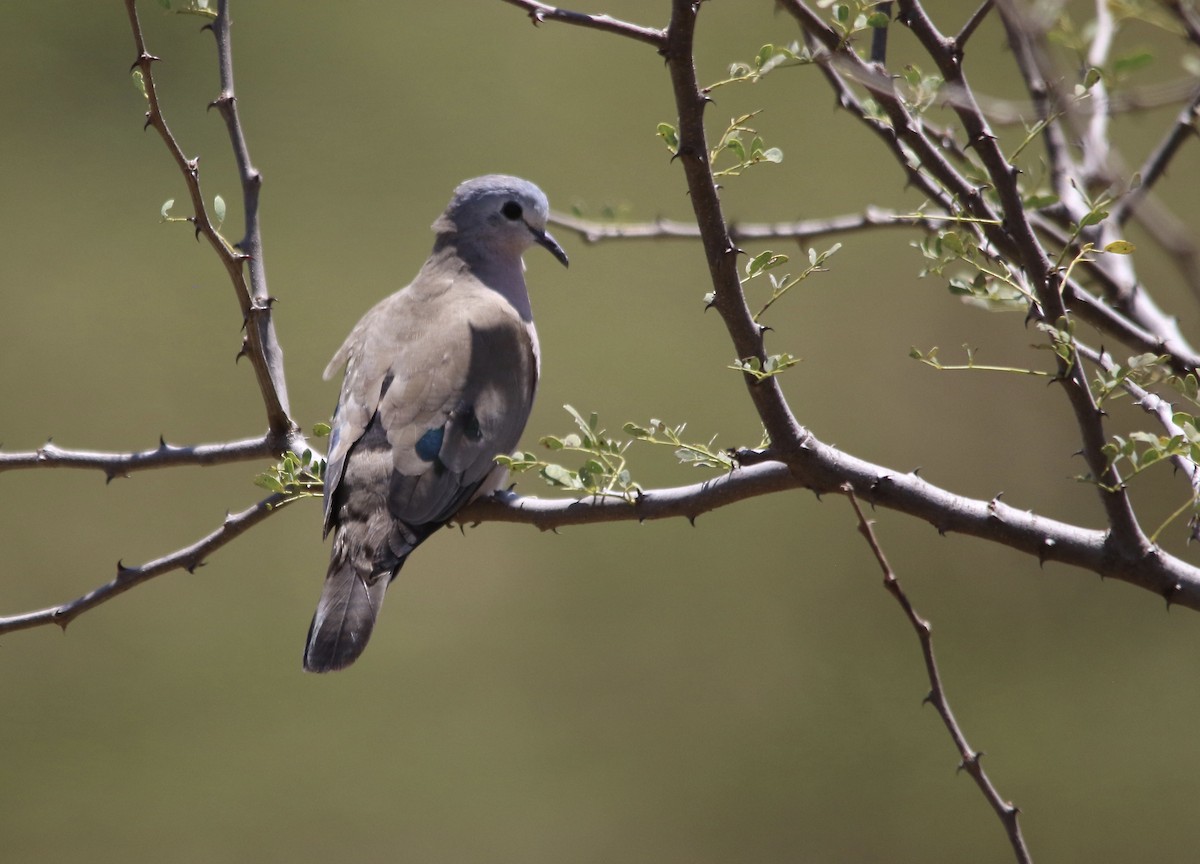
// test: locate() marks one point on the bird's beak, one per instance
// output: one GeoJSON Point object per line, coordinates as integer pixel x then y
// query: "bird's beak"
{"type": "Point", "coordinates": [543, 238]}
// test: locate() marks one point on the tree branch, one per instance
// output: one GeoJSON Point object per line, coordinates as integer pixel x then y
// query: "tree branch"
{"type": "Point", "coordinates": [259, 343]}
{"type": "Point", "coordinates": [824, 469]}
{"type": "Point", "coordinates": [594, 231]}
{"type": "Point", "coordinates": [970, 758]}
{"type": "Point", "coordinates": [122, 464]}
{"type": "Point", "coordinates": [720, 250]}
{"type": "Point", "coordinates": [188, 558]}
{"type": "Point", "coordinates": [539, 12]}
{"type": "Point", "coordinates": [262, 343]}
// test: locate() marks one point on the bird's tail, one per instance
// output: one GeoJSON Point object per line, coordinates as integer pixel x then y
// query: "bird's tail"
{"type": "Point", "coordinates": [345, 616]}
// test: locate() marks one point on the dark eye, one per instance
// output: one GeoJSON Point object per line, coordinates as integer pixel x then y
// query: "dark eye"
{"type": "Point", "coordinates": [511, 210]}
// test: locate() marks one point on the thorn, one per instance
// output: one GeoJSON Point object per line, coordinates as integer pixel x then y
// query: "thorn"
{"type": "Point", "coordinates": [144, 57]}
{"type": "Point", "coordinates": [1045, 549]}
{"type": "Point", "coordinates": [242, 352]}
{"type": "Point", "coordinates": [61, 619]}
{"type": "Point", "coordinates": [121, 568]}
{"type": "Point", "coordinates": [916, 472]}
{"type": "Point", "coordinates": [149, 121]}
{"type": "Point", "coordinates": [941, 529]}
{"type": "Point", "coordinates": [691, 517]}
{"type": "Point", "coordinates": [1171, 592]}
{"type": "Point", "coordinates": [928, 700]}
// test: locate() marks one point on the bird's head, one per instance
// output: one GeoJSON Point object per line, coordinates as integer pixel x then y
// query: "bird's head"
{"type": "Point", "coordinates": [497, 213]}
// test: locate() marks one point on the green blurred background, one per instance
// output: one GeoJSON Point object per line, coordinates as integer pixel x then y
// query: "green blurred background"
{"type": "Point", "coordinates": [742, 690]}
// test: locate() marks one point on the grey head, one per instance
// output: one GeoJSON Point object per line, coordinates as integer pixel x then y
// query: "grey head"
{"type": "Point", "coordinates": [497, 216]}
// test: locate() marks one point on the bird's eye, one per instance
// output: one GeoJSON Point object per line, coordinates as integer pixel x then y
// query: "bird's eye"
{"type": "Point", "coordinates": [511, 210]}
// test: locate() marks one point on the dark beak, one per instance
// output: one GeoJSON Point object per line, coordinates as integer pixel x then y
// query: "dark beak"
{"type": "Point", "coordinates": [546, 241]}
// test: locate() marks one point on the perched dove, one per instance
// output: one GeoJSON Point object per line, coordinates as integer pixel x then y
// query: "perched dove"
{"type": "Point", "coordinates": [440, 379]}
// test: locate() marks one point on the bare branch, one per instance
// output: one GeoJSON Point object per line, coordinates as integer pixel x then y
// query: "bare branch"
{"type": "Point", "coordinates": [594, 231]}
{"type": "Point", "coordinates": [969, 28]}
{"type": "Point", "coordinates": [1156, 163]}
{"type": "Point", "coordinates": [539, 12]}
{"type": "Point", "coordinates": [970, 758]}
{"type": "Point", "coordinates": [188, 558]}
{"type": "Point", "coordinates": [259, 342]}
{"type": "Point", "coordinates": [122, 464]}
{"type": "Point", "coordinates": [259, 323]}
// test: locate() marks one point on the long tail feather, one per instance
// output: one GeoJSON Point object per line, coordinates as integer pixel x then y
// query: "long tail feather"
{"type": "Point", "coordinates": [344, 618]}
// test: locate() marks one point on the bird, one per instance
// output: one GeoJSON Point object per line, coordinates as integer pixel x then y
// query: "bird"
{"type": "Point", "coordinates": [439, 379]}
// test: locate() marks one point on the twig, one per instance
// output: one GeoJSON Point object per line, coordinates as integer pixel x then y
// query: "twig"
{"type": "Point", "coordinates": [539, 12]}
{"type": "Point", "coordinates": [1160, 157]}
{"type": "Point", "coordinates": [260, 328]}
{"type": "Point", "coordinates": [1152, 404]}
{"type": "Point", "coordinates": [164, 455]}
{"type": "Point", "coordinates": [970, 758]}
{"type": "Point", "coordinates": [259, 343]}
{"type": "Point", "coordinates": [595, 231]}
{"type": "Point", "coordinates": [188, 558]}
{"type": "Point", "coordinates": [969, 28]}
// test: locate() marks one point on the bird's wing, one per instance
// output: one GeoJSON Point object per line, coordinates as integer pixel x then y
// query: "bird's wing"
{"type": "Point", "coordinates": [440, 379]}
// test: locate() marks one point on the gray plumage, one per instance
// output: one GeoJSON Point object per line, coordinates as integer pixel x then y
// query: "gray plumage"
{"type": "Point", "coordinates": [440, 379]}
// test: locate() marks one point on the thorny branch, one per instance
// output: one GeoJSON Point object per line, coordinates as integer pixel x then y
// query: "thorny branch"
{"type": "Point", "coordinates": [970, 758]}
{"type": "Point", "coordinates": [188, 558]}
{"type": "Point", "coordinates": [260, 345]}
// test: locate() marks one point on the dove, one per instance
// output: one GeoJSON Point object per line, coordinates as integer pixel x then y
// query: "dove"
{"type": "Point", "coordinates": [439, 379]}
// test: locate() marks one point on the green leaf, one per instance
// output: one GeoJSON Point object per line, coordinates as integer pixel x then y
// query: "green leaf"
{"type": "Point", "coordinates": [559, 476]}
{"type": "Point", "coordinates": [219, 209]}
{"type": "Point", "coordinates": [739, 149]}
{"type": "Point", "coordinates": [139, 81]}
{"type": "Point", "coordinates": [877, 20]}
{"type": "Point", "coordinates": [170, 202]}
{"type": "Point", "coordinates": [321, 430]}
{"type": "Point", "coordinates": [669, 135]}
{"type": "Point", "coordinates": [1120, 247]}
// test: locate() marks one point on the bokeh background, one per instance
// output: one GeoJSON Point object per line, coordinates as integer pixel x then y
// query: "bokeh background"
{"type": "Point", "coordinates": [741, 690]}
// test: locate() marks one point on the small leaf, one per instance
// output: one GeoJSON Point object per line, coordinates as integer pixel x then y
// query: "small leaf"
{"type": "Point", "coordinates": [170, 202]}
{"type": "Point", "coordinates": [321, 430]}
{"type": "Point", "coordinates": [139, 81]}
{"type": "Point", "coordinates": [877, 20]}
{"type": "Point", "coordinates": [772, 154]}
{"type": "Point", "coordinates": [667, 132]}
{"type": "Point", "coordinates": [219, 209]}
{"type": "Point", "coordinates": [739, 149]}
{"type": "Point", "coordinates": [1120, 247]}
